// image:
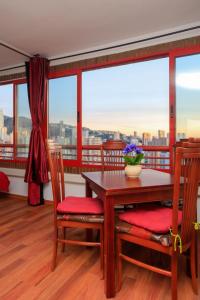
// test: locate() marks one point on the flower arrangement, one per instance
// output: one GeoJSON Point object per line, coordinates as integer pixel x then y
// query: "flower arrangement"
{"type": "Point", "coordinates": [134, 159]}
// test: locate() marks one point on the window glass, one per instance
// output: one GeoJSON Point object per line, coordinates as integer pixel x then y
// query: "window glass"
{"type": "Point", "coordinates": [6, 121]}
{"type": "Point", "coordinates": [188, 96]}
{"type": "Point", "coordinates": [6, 114]}
{"type": "Point", "coordinates": [24, 123]}
{"type": "Point", "coordinates": [129, 102]}
{"type": "Point", "coordinates": [63, 114]}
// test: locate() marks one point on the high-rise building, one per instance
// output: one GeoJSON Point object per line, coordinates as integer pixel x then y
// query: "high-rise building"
{"type": "Point", "coordinates": [161, 133]}
{"type": "Point", "coordinates": [146, 137]}
{"type": "Point", "coordinates": [117, 135]}
{"type": "Point", "coordinates": [1, 118]}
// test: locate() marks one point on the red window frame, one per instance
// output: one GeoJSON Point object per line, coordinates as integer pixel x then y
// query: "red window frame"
{"type": "Point", "coordinates": [14, 145]}
{"type": "Point", "coordinates": [171, 54]}
{"type": "Point", "coordinates": [65, 73]}
{"type": "Point", "coordinates": [124, 61]}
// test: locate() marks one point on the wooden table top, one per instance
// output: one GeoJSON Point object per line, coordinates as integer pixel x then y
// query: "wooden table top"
{"type": "Point", "coordinates": [116, 181]}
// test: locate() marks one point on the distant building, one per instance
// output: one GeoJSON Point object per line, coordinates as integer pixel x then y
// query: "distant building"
{"type": "Point", "coordinates": [134, 140]}
{"type": "Point", "coordinates": [161, 134]}
{"type": "Point", "coordinates": [146, 138]}
{"type": "Point", "coordinates": [117, 135]}
{"type": "Point", "coordinates": [135, 134]}
{"type": "Point", "coordinates": [93, 140]}
{"type": "Point", "coordinates": [181, 135]}
{"type": "Point", "coordinates": [85, 134]}
{"type": "Point", "coordinates": [1, 118]}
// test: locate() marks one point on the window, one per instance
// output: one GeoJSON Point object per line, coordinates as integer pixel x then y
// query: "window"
{"type": "Point", "coordinates": [188, 96]}
{"type": "Point", "coordinates": [24, 122]}
{"type": "Point", "coordinates": [63, 114]}
{"type": "Point", "coordinates": [6, 121]}
{"type": "Point", "coordinates": [128, 102]}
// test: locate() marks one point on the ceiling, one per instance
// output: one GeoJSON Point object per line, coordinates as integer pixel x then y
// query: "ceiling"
{"type": "Point", "coordinates": [57, 28]}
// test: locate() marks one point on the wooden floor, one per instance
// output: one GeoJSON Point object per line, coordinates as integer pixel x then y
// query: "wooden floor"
{"type": "Point", "coordinates": [25, 255]}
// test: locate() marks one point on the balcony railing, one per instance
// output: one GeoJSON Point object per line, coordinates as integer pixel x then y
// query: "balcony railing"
{"type": "Point", "coordinates": [155, 157]}
{"type": "Point", "coordinates": [6, 152]}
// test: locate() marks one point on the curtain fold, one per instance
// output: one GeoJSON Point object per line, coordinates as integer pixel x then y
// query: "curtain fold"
{"type": "Point", "coordinates": [37, 170]}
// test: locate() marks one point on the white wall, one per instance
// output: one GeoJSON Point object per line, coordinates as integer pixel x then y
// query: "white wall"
{"type": "Point", "coordinates": [74, 185]}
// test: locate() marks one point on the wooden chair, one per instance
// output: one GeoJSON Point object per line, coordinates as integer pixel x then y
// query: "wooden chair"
{"type": "Point", "coordinates": [193, 142]}
{"type": "Point", "coordinates": [136, 227]}
{"type": "Point", "coordinates": [189, 143]}
{"type": "Point", "coordinates": [111, 155]}
{"type": "Point", "coordinates": [112, 159]}
{"type": "Point", "coordinates": [71, 212]}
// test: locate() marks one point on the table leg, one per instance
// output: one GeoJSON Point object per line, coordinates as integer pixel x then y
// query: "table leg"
{"type": "Point", "coordinates": [89, 232]}
{"type": "Point", "coordinates": [109, 246]}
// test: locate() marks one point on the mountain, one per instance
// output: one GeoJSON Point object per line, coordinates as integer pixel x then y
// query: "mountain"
{"type": "Point", "coordinates": [23, 122]}
{"type": "Point", "coordinates": [8, 122]}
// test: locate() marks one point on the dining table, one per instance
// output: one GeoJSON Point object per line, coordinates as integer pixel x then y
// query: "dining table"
{"type": "Point", "coordinates": [115, 188]}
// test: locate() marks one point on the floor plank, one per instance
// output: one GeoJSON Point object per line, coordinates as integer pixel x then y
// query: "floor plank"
{"type": "Point", "coordinates": [25, 256]}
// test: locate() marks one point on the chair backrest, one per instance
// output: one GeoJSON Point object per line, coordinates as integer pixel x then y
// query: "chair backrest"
{"type": "Point", "coordinates": [186, 182]}
{"type": "Point", "coordinates": [55, 160]}
{"type": "Point", "coordinates": [112, 156]}
{"type": "Point", "coordinates": [189, 143]}
{"type": "Point", "coordinates": [194, 140]}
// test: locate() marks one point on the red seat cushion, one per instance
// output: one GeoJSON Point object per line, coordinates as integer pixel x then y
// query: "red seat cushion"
{"type": "Point", "coordinates": [4, 182]}
{"type": "Point", "coordinates": [151, 217]}
{"type": "Point", "coordinates": [80, 205]}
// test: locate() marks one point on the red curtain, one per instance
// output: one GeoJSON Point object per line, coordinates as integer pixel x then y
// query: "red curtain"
{"type": "Point", "coordinates": [37, 169]}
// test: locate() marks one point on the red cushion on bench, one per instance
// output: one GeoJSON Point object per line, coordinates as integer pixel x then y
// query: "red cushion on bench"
{"type": "Point", "coordinates": [4, 182]}
{"type": "Point", "coordinates": [151, 217]}
{"type": "Point", "coordinates": [80, 205]}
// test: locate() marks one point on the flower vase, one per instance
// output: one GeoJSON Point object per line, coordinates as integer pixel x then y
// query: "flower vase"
{"type": "Point", "coordinates": [133, 170]}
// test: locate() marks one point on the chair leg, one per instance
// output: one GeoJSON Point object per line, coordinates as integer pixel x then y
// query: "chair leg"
{"type": "Point", "coordinates": [102, 251]}
{"type": "Point", "coordinates": [193, 266]}
{"type": "Point", "coordinates": [55, 247]}
{"type": "Point", "coordinates": [63, 236]}
{"type": "Point", "coordinates": [119, 263]}
{"type": "Point", "coordinates": [174, 270]}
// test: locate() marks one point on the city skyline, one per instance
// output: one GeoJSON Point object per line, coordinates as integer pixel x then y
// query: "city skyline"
{"type": "Point", "coordinates": [66, 135]}
{"type": "Point", "coordinates": [26, 129]}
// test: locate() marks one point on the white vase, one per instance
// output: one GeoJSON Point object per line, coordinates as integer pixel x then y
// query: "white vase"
{"type": "Point", "coordinates": [133, 171]}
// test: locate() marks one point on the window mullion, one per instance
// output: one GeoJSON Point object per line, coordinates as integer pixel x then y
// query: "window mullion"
{"type": "Point", "coordinates": [14, 121]}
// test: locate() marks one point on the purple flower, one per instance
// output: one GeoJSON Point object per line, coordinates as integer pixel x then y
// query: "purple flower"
{"type": "Point", "coordinates": [136, 157]}
{"type": "Point", "coordinates": [129, 148]}
{"type": "Point", "coordinates": [138, 150]}
{"type": "Point", "coordinates": [132, 148]}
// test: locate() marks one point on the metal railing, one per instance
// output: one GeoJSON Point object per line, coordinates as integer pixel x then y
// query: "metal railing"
{"type": "Point", "coordinates": [154, 156]}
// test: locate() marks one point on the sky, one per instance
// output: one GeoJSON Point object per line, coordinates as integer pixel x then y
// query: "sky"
{"type": "Point", "coordinates": [128, 98]}
{"type": "Point", "coordinates": [6, 99]}
{"type": "Point", "coordinates": [188, 95]}
{"type": "Point", "coordinates": [62, 100]}
{"type": "Point", "coordinates": [23, 105]}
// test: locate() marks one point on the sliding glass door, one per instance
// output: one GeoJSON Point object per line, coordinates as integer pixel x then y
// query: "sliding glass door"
{"type": "Point", "coordinates": [187, 81]}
